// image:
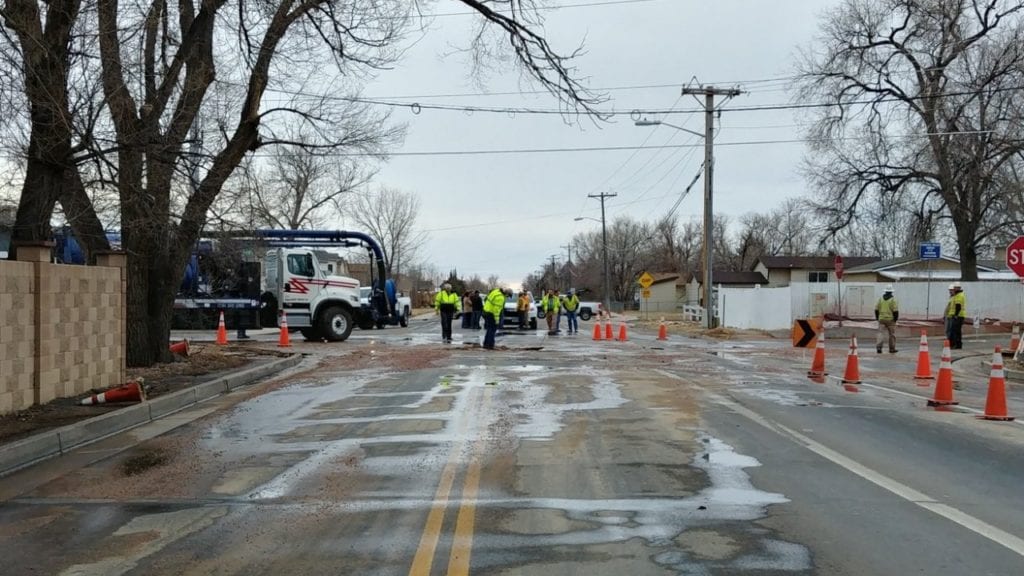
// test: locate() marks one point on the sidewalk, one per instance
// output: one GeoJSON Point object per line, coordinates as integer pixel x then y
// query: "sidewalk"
{"type": "Point", "coordinates": [112, 419]}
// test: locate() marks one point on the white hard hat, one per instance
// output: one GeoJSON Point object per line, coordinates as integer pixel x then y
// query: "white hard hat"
{"type": "Point", "coordinates": [952, 286]}
{"type": "Point", "coordinates": [956, 285]}
{"type": "Point", "coordinates": [888, 288]}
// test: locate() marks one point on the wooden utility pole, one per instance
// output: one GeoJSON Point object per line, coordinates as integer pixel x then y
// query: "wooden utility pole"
{"type": "Point", "coordinates": [709, 93]}
{"type": "Point", "coordinates": [604, 249]}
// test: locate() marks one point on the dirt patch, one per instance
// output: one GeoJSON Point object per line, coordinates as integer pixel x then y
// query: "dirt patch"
{"type": "Point", "coordinates": [204, 364]}
{"type": "Point", "coordinates": [143, 461]}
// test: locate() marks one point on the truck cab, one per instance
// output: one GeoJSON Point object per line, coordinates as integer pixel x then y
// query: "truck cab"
{"type": "Point", "coordinates": [317, 304]}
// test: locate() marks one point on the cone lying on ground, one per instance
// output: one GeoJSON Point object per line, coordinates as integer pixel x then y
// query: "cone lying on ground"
{"type": "Point", "coordinates": [622, 332]}
{"type": "Point", "coordinates": [818, 363]}
{"type": "Point", "coordinates": [944, 383]}
{"type": "Point", "coordinates": [284, 341]}
{"type": "Point", "coordinates": [608, 329]}
{"type": "Point", "coordinates": [852, 374]}
{"type": "Point", "coordinates": [662, 330]}
{"type": "Point", "coordinates": [180, 348]}
{"type": "Point", "coordinates": [924, 362]}
{"type": "Point", "coordinates": [130, 392]}
{"type": "Point", "coordinates": [597, 329]}
{"type": "Point", "coordinates": [995, 403]}
{"type": "Point", "coordinates": [222, 331]}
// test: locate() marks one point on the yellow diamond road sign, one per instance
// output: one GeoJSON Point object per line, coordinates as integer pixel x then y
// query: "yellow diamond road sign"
{"type": "Point", "coordinates": [646, 280]}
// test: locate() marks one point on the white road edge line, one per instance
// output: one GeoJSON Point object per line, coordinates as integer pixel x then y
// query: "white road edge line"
{"type": "Point", "coordinates": [980, 527]}
{"type": "Point", "coordinates": [959, 407]}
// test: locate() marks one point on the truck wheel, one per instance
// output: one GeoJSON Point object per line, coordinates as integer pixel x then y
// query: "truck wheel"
{"type": "Point", "coordinates": [310, 334]}
{"type": "Point", "coordinates": [335, 324]}
{"type": "Point", "coordinates": [585, 315]}
{"type": "Point", "coordinates": [540, 314]}
{"type": "Point", "coordinates": [404, 320]}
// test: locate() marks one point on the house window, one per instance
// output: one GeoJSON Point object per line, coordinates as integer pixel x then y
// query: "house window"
{"type": "Point", "coordinates": [817, 276]}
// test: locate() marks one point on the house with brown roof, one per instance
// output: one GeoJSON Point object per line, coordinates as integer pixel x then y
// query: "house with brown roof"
{"type": "Point", "coordinates": [786, 270]}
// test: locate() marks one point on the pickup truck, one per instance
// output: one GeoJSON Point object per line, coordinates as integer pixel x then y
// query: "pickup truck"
{"type": "Point", "coordinates": [512, 315]}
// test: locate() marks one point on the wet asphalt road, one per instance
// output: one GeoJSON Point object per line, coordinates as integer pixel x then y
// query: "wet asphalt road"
{"type": "Point", "coordinates": [391, 454]}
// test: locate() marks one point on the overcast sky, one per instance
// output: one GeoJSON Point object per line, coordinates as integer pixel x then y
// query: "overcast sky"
{"type": "Point", "coordinates": [506, 214]}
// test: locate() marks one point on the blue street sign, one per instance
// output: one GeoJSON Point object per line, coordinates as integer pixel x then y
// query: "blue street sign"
{"type": "Point", "coordinates": [931, 250]}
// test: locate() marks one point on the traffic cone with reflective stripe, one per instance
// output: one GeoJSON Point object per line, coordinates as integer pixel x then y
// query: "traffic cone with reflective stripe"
{"type": "Point", "coordinates": [597, 329]}
{"type": "Point", "coordinates": [995, 403]}
{"type": "Point", "coordinates": [818, 363]}
{"type": "Point", "coordinates": [284, 340]}
{"type": "Point", "coordinates": [852, 374]}
{"type": "Point", "coordinates": [662, 330]}
{"type": "Point", "coordinates": [608, 335]}
{"type": "Point", "coordinates": [222, 331]}
{"type": "Point", "coordinates": [924, 362]}
{"type": "Point", "coordinates": [622, 332]}
{"type": "Point", "coordinates": [1014, 339]}
{"type": "Point", "coordinates": [130, 392]}
{"type": "Point", "coordinates": [944, 383]}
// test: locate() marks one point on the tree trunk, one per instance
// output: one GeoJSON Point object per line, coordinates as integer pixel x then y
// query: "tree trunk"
{"type": "Point", "coordinates": [81, 214]}
{"type": "Point", "coordinates": [38, 198]}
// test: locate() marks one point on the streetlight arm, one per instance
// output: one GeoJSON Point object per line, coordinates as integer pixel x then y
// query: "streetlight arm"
{"type": "Point", "coordinates": [660, 123]}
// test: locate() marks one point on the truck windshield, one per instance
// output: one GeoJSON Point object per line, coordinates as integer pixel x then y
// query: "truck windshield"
{"type": "Point", "coordinates": [300, 265]}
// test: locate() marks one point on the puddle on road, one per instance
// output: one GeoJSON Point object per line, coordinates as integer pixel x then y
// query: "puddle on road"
{"type": "Point", "coordinates": [781, 397]}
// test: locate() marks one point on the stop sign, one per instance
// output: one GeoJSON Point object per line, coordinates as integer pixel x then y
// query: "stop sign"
{"type": "Point", "coordinates": [1015, 256]}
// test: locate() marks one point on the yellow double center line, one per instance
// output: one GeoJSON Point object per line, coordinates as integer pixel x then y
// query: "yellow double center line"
{"type": "Point", "coordinates": [462, 542]}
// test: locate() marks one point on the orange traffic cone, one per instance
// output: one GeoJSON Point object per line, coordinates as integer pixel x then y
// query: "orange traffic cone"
{"type": "Point", "coordinates": [222, 331]}
{"type": "Point", "coordinates": [283, 340]}
{"type": "Point", "coordinates": [944, 383]}
{"type": "Point", "coordinates": [852, 375]}
{"type": "Point", "coordinates": [130, 392]}
{"type": "Point", "coordinates": [622, 332]}
{"type": "Point", "coordinates": [662, 330]}
{"type": "Point", "coordinates": [180, 348]}
{"type": "Point", "coordinates": [818, 363]}
{"type": "Point", "coordinates": [608, 330]}
{"type": "Point", "coordinates": [995, 403]}
{"type": "Point", "coordinates": [1014, 340]}
{"type": "Point", "coordinates": [924, 362]}
{"type": "Point", "coordinates": [597, 329]}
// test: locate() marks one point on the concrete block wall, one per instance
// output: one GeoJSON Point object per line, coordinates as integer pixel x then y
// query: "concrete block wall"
{"type": "Point", "coordinates": [64, 332]}
{"type": "Point", "coordinates": [17, 335]}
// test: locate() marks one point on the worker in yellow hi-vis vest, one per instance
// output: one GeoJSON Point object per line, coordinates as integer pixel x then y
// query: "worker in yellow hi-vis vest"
{"type": "Point", "coordinates": [887, 312]}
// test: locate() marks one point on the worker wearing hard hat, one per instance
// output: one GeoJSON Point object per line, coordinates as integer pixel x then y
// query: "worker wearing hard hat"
{"type": "Point", "coordinates": [956, 312]}
{"type": "Point", "coordinates": [887, 312]}
{"type": "Point", "coordinates": [447, 304]}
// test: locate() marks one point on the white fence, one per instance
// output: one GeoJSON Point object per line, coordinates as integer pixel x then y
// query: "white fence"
{"type": "Point", "coordinates": [775, 308]}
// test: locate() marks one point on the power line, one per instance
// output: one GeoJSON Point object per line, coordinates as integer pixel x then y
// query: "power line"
{"type": "Point", "coordinates": [417, 107]}
{"type": "Point", "coordinates": [550, 8]}
{"type": "Point", "coordinates": [618, 148]}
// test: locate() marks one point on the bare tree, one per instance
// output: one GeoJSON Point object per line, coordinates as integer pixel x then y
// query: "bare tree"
{"type": "Point", "coordinates": [191, 89]}
{"type": "Point", "coordinates": [924, 107]}
{"type": "Point", "coordinates": [389, 215]}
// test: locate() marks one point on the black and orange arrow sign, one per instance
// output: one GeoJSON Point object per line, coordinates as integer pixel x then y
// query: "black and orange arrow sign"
{"type": "Point", "coordinates": [805, 332]}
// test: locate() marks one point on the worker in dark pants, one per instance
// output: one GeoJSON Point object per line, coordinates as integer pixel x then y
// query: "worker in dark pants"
{"type": "Point", "coordinates": [447, 304]}
{"type": "Point", "coordinates": [494, 306]}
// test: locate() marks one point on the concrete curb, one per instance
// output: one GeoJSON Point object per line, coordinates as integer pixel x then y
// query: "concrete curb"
{"type": "Point", "coordinates": [38, 447]}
